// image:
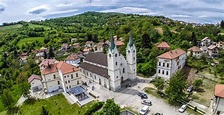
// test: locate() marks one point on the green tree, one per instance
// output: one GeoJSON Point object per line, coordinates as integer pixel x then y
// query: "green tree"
{"type": "Point", "coordinates": [110, 108]}
{"type": "Point", "coordinates": [222, 24]}
{"type": "Point", "coordinates": [44, 111]}
{"type": "Point", "coordinates": [7, 98]}
{"type": "Point", "coordinates": [175, 90]}
{"type": "Point", "coordinates": [197, 83]}
{"type": "Point", "coordinates": [50, 53]}
{"type": "Point", "coordinates": [25, 89]}
{"type": "Point", "coordinates": [159, 83]}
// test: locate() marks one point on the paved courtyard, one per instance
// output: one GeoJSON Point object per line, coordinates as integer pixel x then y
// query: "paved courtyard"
{"type": "Point", "coordinates": [127, 97]}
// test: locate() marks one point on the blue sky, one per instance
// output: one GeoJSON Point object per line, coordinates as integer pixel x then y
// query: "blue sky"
{"type": "Point", "coordinates": [199, 11]}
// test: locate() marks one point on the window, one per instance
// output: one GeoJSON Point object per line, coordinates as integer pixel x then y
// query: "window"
{"type": "Point", "coordinates": [134, 69]}
{"type": "Point", "coordinates": [123, 70]}
{"type": "Point", "coordinates": [78, 82]}
{"type": "Point", "coordinates": [128, 51]}
{"type": "Point", "coordinates": [77, 75]}
{"type": "Point", "coordinates": [167, 72]}
{"type": "Point", "coordinates": [90, 74]}
{"type": "Point", "coordinates": [159, 63]}
{"type": "Point", "coordinates": [67, 75]}
{"type": "Point", "coordinates": [159, 71]}
{"type": "Point", "coordinates": [86, 73]}
{"type": "Point", "coordinates": [68, 81]}
{"type": "Point", "coordinates": [65, 82]}
{"type": "Point", "coordinates": [163, 72]}
{"type": "Point", "coordinates": [58, 82]}
{"type": "Point", "coordinates": [134, 51]}
{"type": "Point", "coordinates": [117, 76]}
{"type": "Point", "coordinates": [95, 76]}
{"type": "Point", "coordinates": [54, 76]}
{"type": "Point", "coordinates": [133, 58]}
{"type": "Point", "coordinates": [168, 65]}
{"type": "Point", "coordinates": [64, 76]}
{"type": "Point", "coordinates": [115, 55]}
{"type": "Point", "coordinates": [69, 86]}
{"type": "Point", "coordinates": [163, 64]}
{"type": "Point", "coordinates": [116, 63]}
{"type": "Point", "coordinates": [109, 55]}
{"type": "Point", "coordinates": [71, 76]}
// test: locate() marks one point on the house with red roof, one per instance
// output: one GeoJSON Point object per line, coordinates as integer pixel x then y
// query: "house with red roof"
{"type": "Point", "coordinates": [163, 46]}
{"type": "Point", "coordinates": [170, 62]}
{"type": "Point", "coordinates": [47, 62]}
{"type": "Point", "coordinates": [213, 51]}
{"type": "Point", "coordinates": [35, 83]}
{"type": "Point", "coordinates": [60, 76]}
{"type": "Point", "coordinates": [73, 59]}
{"type": "Point", "coordinates": [194, 51]}
{"type": "Point", "coordinates": [218, 101]}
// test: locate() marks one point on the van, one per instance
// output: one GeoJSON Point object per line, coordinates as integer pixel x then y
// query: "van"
{"type": "Point", "coordinates": [144, 110]}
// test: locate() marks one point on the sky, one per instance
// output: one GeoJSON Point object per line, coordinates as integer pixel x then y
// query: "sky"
{"type": "Point", "coordinates": [196, 11]}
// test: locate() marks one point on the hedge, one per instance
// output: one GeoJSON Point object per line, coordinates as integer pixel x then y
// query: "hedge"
{"type": "Point", "coordinates": [94, 108]}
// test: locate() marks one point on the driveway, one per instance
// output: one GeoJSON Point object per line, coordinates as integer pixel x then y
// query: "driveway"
{"type": "Point", "coordinates": [127, 97]}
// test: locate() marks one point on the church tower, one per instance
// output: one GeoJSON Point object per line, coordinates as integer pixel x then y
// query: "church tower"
{"type": "Point", "coordinates": [131, 58]}
{"type": "Point", "coordinates": [113, 66]}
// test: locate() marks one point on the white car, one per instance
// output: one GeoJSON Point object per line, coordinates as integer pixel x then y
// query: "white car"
{"type": "Point", "coordinates": [144, 110]}
{"type": "Point", "coordinates": [182, 108]}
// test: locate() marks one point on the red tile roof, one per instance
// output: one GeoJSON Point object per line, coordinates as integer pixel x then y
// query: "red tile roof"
{"type": "Point", "coordinates": [212, 47]}
{"type": "Point", "coordinates": [72, 57]}
{"type": "Point", "coordinates": [52, 68]}
{"type": "Point", "coordinates": [48, 61]}
{"type": "Point", "coordinates": [32, 77]}
{"type": "Point", "coordinates": [66, 68]}
{"type": "Point", "coordinates": [163, 45]}
{"type": "Point", "coordinates": [195, 49]}
{"type": "Point", "coordinates": [172, 54]}
{"type": "Point", "coordinates": [219, 90]}
{"type": "Point", "coordinates": [119, 43]}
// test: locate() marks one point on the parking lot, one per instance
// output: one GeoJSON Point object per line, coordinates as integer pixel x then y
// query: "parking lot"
{"type": "Point", "coordinates": [127, 97]}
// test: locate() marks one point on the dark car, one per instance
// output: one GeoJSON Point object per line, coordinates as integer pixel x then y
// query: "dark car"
{"type": "Point", "coordinates": [142, 95]}
{"type": "Point", "coordinates": [147, 102]}
{"type": "Point", "coordinates": [158, 114]}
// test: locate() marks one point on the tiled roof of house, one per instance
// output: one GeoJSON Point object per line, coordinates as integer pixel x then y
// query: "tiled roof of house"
{"type": "Point", "coordinates": [48, 61]}
{"type": "Point", "coordinates": [195, 49]}
{"type": "Point", "coordinates": [32, 77]}
{"type": "Point", "coordinates": [72, 57]}
{"type": "Point", "coordinates": [172, 54]}
{"type": "Point", "coordinates": [118, 43]}
{"type": "Point", "coordinates": [66, 68]}
{"type": "Point", "coordinates": [97, 57]}
{"type": "Point", "coordinates": [219, 90]}
{"type": "Point", "coordinates": [212, 47]}
{"type": "Point", "coordinates": [95, 69]}
{"type": "Point", "coordinates": [86, 50]}
{"type": "Point", "coordinates": [163, 45]}
{"type": "Point", "coordinates": [51, 68]}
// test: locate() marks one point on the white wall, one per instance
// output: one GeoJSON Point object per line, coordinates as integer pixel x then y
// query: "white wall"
{"type": "Point", "coordinates": [131, 61]}
{"type": "Point", "coordinates": [36, 83]}
{"type": "Point", "coordinates": [51, 83]}
{"type": "Point", "coordinates": [73, 62]}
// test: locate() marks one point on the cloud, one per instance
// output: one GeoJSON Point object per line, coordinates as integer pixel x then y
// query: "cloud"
{"type": "Point", "coordinates": [2, 8]}
{"type": "Point", "coordinates": [179, 16]}
{"type": "Point", "coordinates": [38, 9]}
{"type": "Point", "coordinates": [131, 10]}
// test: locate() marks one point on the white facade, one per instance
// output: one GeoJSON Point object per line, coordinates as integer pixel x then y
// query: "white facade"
{"type": "Point", "coordinates": [167, 67]}
{"type": "Point", "coordinates": [73, 62]}
{"type": "Point", "coordinates": [194, 53]}
{"type": "Point", "coordinates": [51, 82]}
{"type": "Point", "coordinates": [36, 85]}
{"type": "Point", "coordinates": [218, 105]}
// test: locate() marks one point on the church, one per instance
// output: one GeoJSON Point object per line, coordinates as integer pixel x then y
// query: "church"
{"type": "Point", "coordinates": [111, 69]}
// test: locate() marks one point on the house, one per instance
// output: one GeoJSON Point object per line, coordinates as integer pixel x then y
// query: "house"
{"type": "Point", "coordinates": [89, 44]}
{"type": "Point", "coordinates": [170, 62]}
{"type": "Point", "coordinates": [73, 59]}
{"type": "Point", "coordinates": [220, 45]}
{"type": "Point", "coordinates": [112, 69]}
{"type": "Point", "coordinates": [60, 77]}
{"type": "Point", "coordinates": [119, 43]}
{"type": "Point", "coordinates": [163, 46]}
{"type": "Point", "coordinates": [206, 42]}
{"type": "Point", "coordinates": [86, 50]}
{"type": "Point", "coordinates": [99, 47]}
{"type": "Point", "coordinates": [194, 51]}
{"type": "Point", "coordinates": [23, 57]}
{"type": "Point", "coordinates": [213, 51]}
{"type": "Point", "coordinates": [73, 40]}
{"type": "Point", "coordinates": [64, 47]}
{"type": "Point", "coordinates": [47, 62]}
{"type": "Point", "coordinates": [35, 83]}
{"type": "Point", "coordinates": [75, 45]}
{"type": "Point", "coordinates": [218, 100]}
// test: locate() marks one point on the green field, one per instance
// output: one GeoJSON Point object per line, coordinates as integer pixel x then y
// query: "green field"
{"type": "Point", "coordinates": [11, 28]}
{"type": "Point", "coordinates": [55, 105]}
{"type": "Point", "coordinates": [35, 25]}
{"type": "Point", "coordinates": [29, 40]}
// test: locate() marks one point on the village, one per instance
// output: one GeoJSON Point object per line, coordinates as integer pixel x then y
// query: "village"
{"type": "Point", "coordinates": [97, 74]}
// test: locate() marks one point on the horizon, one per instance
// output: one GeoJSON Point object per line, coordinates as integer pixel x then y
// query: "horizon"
{"type": "Point", "coordinates": [199, 11]}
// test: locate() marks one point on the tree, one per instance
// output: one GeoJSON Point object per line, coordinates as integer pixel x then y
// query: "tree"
{"type": "Point", "coordinates": [197, 83]}
{"type": "Point", "coordinates": [146, 42]}
{"type": "Point", "coordinates": [175, 90]}
{"type": "Point", "coordinates": [7, 98]}
{"type": "Point", "coordinates": [159, 83]}
{"type": "Point", "coordinates": [45, 55]}
{"type": "Point", "coordinates": [50, 53]}
{"type": "Point", "coordinates": [222, 24]}
{"type": "Point", "coordinates": [25, 89]}
{"type": "Point", "coordinates": [44, 111]}
{"type": "Point", "coordinates": [110, 108]}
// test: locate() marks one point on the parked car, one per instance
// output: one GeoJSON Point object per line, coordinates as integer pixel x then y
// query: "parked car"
{"type": "Point", "coordinates": [142, 95]}
{"type": "Point", "coordinates": [158, 114]}
{"type": "Point", "coordinates": [182, 108]}
{"type": "Point", "coordinates": [190, 89]}
{"type": "Point", "coordinates": [144, 110]}
{"type": "Point", "coordinates": [147, 102]}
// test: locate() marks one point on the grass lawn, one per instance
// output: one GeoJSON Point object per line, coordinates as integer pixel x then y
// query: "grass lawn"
{"type": "Point", "coordinates": [10, 29]}
{"type": "Point", "coordinates": [55, 105]}
{"type": "Point", "coordinates": [29, 40]}
{"type": "Point", "coordinates": [36, 25]}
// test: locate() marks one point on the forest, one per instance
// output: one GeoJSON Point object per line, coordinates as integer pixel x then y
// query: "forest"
{"type": "Point", "coordinates": [147, 32]}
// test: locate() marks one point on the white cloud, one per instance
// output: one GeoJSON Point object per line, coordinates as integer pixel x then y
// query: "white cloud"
{"type": "Point", "coordinates": [131, 10]}
{"type": "Point", "coordinates": [39, 9]}
{"type": "Point", "coordinates": [179, 16]}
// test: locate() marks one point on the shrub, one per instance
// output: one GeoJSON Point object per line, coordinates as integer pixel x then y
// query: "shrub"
{"type": "Point", "coordinates": [94, 108]}
{"type": "Point", "coordinates": [92, 95]}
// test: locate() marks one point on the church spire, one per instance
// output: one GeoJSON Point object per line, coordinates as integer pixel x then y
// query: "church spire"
{"type": "Point", "coordinates": [112, 44]}
{"type": "Point", "coordinates": [130, 40]}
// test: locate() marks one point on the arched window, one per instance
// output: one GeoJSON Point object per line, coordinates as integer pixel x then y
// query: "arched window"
{"type": "Point", "coordinates": [115, 55]}
{"type": "Point", "coordinates": [123, 70]}
{"type": "Point", "coordinates": [109, 55]}
{"type": "Point", "coordinates": [133, 51]}
{"type": "Point", "coordinates": [116, 63]}
{"type": "Point", "coordinates": [128, 51]}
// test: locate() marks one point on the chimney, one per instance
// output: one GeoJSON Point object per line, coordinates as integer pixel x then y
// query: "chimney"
{"type": "Point", "coordinates": [73, 69]}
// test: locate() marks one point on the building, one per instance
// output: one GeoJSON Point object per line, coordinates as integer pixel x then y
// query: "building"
{"type": "Point", "coordinates": [213, 51]}
{"type": "Point", "coordinates": [60, 76]}
{"type": "Point", "coordinates": [89, 44]}
{"type": "Point", "coordinates": [64, 47]}
{"type": "Point", "coordinates": [47, 62]}
{"type": "Point", "coordinates": [218, 101]}
{"type": "Point", "coordinates": [111, 69]}
{"type": "Point", "coordinates": [170, 62]}
{"type": "Point", "coordinates": [163, 46]}
{"type": "Point", "coordinates": [194, 51]}
{"type": "Point", "coordinates": [73, 59]}
{"type": "Point", "coordinates": [35, 83]}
